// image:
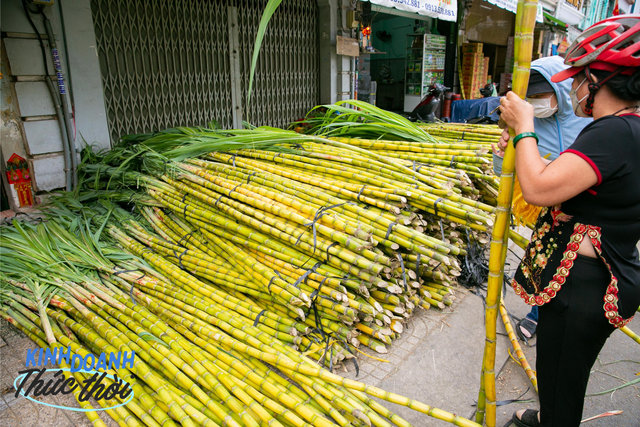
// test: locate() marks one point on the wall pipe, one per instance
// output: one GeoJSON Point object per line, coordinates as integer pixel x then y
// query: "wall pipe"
{"type": "Point", "coordinates": [63, 98]}
{"type": "Point", "coordinates": [68, 170]}
{"type": "Point", "coordinates": [63, 131]}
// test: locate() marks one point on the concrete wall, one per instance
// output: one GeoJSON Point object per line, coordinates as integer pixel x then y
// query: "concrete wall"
{"type": "Point", "coordinates": [334, 68]}
{"type": "Point", "coordinates": [10, 129]}
{"type": "Point", "coordinates": [84, 74]}
{"type": "Point", "coordinates": [29, 124]}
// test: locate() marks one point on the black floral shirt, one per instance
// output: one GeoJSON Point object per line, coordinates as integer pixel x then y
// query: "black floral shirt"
{"type": "Point", "coordinates": [608, 214]}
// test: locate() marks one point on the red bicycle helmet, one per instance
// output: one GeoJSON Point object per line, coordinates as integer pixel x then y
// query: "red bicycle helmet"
{"type": "Point", "coordinates": [609, 45]}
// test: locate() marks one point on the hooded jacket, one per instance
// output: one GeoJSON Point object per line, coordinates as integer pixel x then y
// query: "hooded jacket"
{"type": "Point", "coordinates": [558, 132]}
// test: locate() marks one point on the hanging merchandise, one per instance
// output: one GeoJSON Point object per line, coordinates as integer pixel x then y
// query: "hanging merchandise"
{"type": "Point", "coordinates": [365, 39]}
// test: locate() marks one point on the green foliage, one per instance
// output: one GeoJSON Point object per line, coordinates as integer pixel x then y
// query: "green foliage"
{"type": "Point", "coordinates": [357, 119]}
{"type": "Point", "coordinates": [271, 7]}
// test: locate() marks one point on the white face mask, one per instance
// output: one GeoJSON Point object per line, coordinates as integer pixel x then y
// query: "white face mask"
{"type": "Point", "coordinates": [542, 107]}
{"type": "Point", "coordinates": [575, 103]}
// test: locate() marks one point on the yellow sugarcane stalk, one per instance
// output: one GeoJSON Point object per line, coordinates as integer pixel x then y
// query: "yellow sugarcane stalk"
{"type": "Point", "coordinates": [631, 334]}
{"type": "Point", "coordinates": [522, 359]}
{"type": "Point", "coordinates": [523, 43]}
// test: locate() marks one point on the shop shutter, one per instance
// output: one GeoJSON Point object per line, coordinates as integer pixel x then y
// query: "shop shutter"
{"type": "Point", "coordinates": [286, 84]}
{"type": "Point", "coordinates": [167, 63]}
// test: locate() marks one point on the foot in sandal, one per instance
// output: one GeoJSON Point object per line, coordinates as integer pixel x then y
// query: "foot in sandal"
{"type": "Point", "coordinates": [527, 328]}
{"type": "Point", "coordinates": [525, 418]}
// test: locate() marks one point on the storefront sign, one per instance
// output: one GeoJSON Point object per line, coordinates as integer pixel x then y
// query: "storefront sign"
{"type": "Point", "coordinates": [441, 9]}
{"type": "Point", "coordinates": [347, 46]}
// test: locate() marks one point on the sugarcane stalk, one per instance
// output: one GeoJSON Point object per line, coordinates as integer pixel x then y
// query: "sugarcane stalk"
{"type": "Point", "coordinates": [525, 21]}
{"type": "Point", "coordinates": [631, 334]}
{"type": "Point", "coordinates": [522, 359]}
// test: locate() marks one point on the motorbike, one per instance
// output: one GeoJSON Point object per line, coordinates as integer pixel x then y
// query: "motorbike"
{"type": "Point", "coordinates": [426, 110]}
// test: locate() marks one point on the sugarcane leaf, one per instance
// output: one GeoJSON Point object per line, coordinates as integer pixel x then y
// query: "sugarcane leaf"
{"type": "Point", "coordinates": [98, 233]}
{"type": "Point", "coordinates": [150, 337]}
{"type": "Point", "coordinates": [271, 7]}
{"type": "Point", "coordinates": [627, 384]}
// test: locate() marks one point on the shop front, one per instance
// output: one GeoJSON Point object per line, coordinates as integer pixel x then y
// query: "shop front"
{"type": "Point", "coordinates": [403, 50]}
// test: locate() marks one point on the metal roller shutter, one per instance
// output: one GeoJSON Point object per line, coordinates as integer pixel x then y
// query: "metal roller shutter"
{"type": "Point", "coordinates": [168, 63]}
{"type": "Point", "coordinates": [286, 84]}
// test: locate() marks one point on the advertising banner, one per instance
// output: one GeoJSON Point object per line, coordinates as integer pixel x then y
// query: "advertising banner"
{"type": "Point", "coordinates": [446, 10]}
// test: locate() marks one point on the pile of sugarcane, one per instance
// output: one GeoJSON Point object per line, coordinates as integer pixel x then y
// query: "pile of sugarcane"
{"type": "Point", "coordinates": [202, 355]}
{"type": "Point", "coordinates": [342, 243]}
{"type": "Point", "coordinates": [240, 248]}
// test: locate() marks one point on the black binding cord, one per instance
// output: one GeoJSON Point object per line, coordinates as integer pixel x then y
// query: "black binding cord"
{"type": "Point", "coordinates": [133, 282]}
{"type": "Point", "coordinates": [218, 200]}
{"type": "Point", "coordinates": [234, 188]}
{"type": "Point", "coordinates": [329, 247]}
{"type": "Point", "coordinates": [391, 226]}
{"type": "Point", "coordinates": [255, 322]}
{"type": "Point", "coordinates": [250, 175]}
{"type": "Point", "coordinates": [304, 277]}
{"type": "Point", "coordinates": [180, 259]}
{"type": "Point", "coordinates": [186, 236]}
{"type": "Point", "coordinates": [474, 270]}
{"type": "Point", "coordinates": [270, 283]}
{"type": "Point", "coordinates": [319, 214]}
{"type": "Point", "coordinates": [360, 193]}
{"type": "Point", "coordinates": [404, 273]}
{"type": "Point", "coordinates": [435, 205]}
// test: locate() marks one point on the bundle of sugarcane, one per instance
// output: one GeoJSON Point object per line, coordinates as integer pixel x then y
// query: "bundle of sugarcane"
{"type": "Point", "coordinates": [464, 156]}
{"type": "Point", "coordinates": [195, 355]}
{"type": "Point", "coordinates": [468, 166]}
{"type": "Point", "coordinates": [298, 243]}
{"type": "Point", "coordinates": [479, 135]}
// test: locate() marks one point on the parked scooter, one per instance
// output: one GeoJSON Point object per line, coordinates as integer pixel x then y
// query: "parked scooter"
{"type": "Point", "coordinates": [426, 110]}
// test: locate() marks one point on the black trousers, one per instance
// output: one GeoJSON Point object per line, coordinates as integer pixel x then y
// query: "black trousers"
{"type": "Point", "coordinates": [571, 332]}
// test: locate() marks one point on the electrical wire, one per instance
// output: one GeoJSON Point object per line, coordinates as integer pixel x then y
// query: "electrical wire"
{"type": "Point", "coordinates": [28, 12]}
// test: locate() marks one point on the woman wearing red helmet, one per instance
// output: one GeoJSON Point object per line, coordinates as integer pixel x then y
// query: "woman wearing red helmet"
{"type": "Point", "coordinates": [582, 267]}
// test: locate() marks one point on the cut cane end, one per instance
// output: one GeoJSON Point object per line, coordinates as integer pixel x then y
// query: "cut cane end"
{"type": "Point", "coordinates": [380, 349]}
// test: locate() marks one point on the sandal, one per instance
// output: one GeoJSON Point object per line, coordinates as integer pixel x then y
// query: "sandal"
{"type": "Point", "coordinates": [526, 325]}
{"type": "Point", "coordinates": [529, 419]}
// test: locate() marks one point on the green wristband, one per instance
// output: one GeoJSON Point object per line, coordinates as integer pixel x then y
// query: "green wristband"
{"type": "Point", "coordinates": [525, 135]}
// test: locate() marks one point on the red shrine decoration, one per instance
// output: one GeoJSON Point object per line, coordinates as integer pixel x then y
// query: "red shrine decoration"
{"type": "Point", "coordinates": [18, 175]}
